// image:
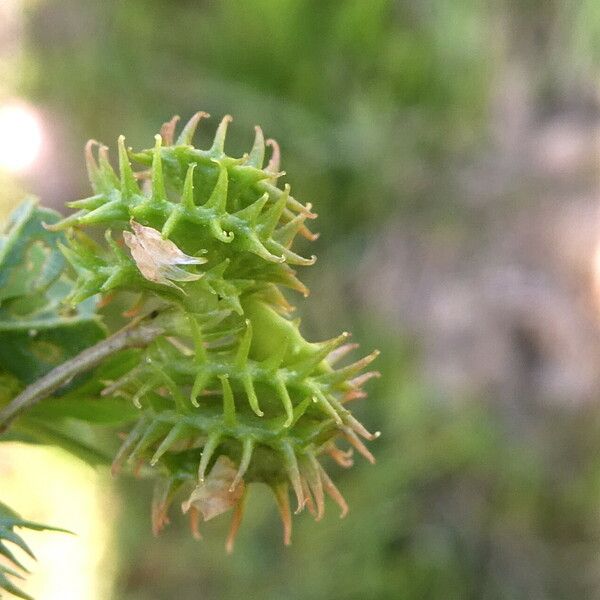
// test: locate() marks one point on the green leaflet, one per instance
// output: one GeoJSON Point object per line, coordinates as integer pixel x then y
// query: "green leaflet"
{"type": "Point", "coordinates": [37, 330]}
{"type": "Point", "coordinates": [12, 568]}
{"type": "Point", "coordinates": [84, 402]}
{"type": "Point", "coordinates": [10, 386]}
{"type": "Point", "coordinates": [28, 258]}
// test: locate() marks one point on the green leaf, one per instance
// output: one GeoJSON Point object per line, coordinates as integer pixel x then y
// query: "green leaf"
{"type": "Point", "coordinates": [66, 434]}
{"type": "Point", "coordinates": [31, 354]}
{"type": "Point", "coordinates": [37, 330]}
{"type": "Point", "coordinates": [83, 401]}
{"type": "Point", "coordinates": [29, 261]}
{"type": "Point", "coordinates": [9, 388]}
{"type": "Point", "coordinates": [9, 521]}
{"type": "Point", "coordinates": [101, 411]}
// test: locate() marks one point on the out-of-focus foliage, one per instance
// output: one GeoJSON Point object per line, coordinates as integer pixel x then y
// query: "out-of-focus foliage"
{"type": "Point", "coordinates": [356, 92]}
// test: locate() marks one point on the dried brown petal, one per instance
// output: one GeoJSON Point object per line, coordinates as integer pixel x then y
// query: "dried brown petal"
{"type": "Point", "coordinates": [156, 258]}
{"type": "Point", "coordinates": [212, 497]}
{"type": "Point", "coordinates": [167, 131]}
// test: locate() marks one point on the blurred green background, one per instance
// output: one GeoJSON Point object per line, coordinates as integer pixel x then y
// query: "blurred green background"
{"type": "Point", "coordinates": [450, 149]}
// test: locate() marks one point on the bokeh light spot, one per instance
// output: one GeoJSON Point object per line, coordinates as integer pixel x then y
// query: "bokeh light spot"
{"type": "Point", "coordinates": [21, 137]}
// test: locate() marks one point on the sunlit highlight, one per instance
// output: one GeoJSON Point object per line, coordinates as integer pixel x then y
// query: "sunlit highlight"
{"type": "Point", "coordinates": [47, 484]}
{"type": "Point", "coordinates": [21, 137]}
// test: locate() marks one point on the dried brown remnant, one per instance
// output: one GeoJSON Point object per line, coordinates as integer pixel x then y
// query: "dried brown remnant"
{"type": "Point", "coordinates": [214, 496]}
{"type": "Point", "coordinates": [157, 258]}
{"type": "Point", "coordinates": [341, 457]}
{"type": "Point", "coordinates": [167, 131]}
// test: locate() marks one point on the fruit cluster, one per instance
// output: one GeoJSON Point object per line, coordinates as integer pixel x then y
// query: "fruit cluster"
{"type": "Point", "coordinates": [232, 393]}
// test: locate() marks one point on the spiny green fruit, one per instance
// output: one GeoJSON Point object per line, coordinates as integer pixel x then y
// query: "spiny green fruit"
{"type": "Point", "coordinates": [232, 393]}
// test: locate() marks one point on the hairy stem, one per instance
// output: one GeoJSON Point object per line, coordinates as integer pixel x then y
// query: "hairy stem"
{"type": "Point", "coordinates": [140, 334]}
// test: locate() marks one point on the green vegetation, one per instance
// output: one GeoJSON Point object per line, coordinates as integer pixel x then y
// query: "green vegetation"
{"type": "Point", "coordinates": [228, 391]}
{"type": "Point", "coordinates": [377, 107]}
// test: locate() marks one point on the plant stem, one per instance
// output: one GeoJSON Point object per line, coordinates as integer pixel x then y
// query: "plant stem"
{"type": "Point", "coordinates": [139, 334]}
